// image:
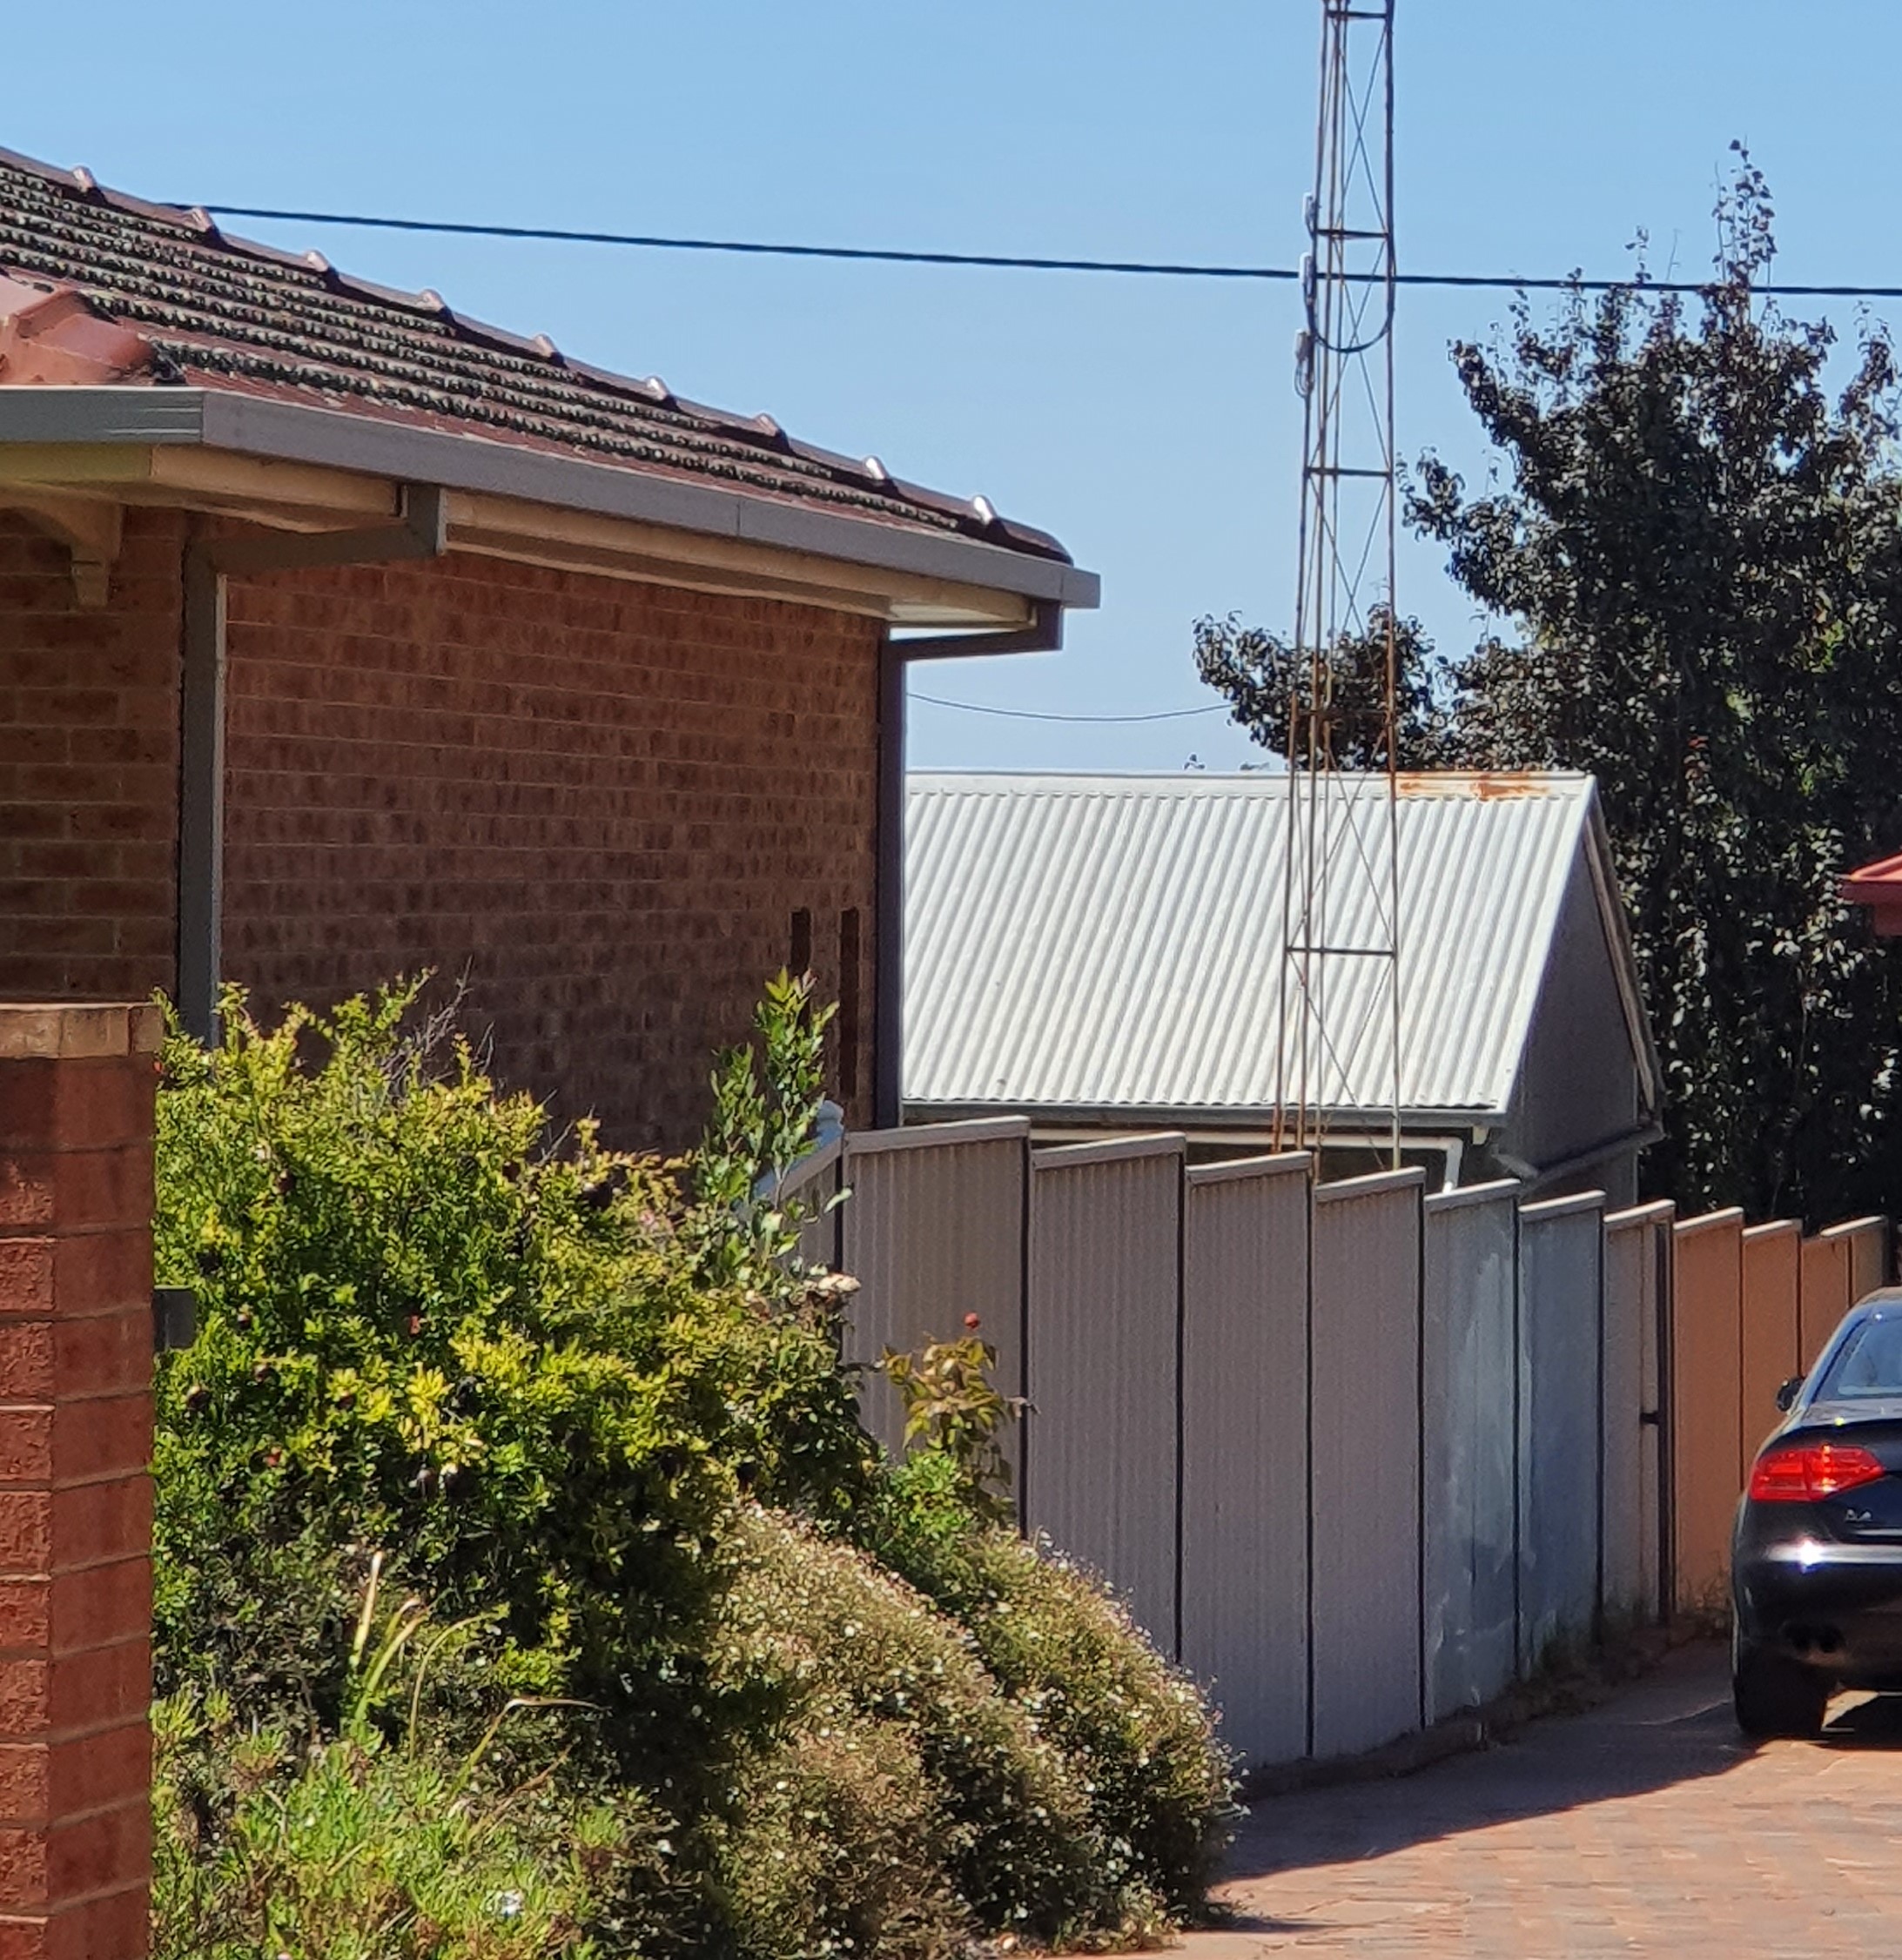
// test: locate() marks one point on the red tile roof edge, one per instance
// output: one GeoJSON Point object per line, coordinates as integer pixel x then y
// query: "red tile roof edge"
{"type": "Point", "coordinates": [974, 515]}
{"type": "Point", "coordinates": [1879, 883]}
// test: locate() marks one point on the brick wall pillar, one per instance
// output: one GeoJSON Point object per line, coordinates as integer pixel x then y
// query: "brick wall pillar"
{"type": "Point", "coordinates": [76, 1416]}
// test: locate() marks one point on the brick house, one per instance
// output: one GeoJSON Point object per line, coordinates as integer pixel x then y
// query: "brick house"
{"type": "Point", "coordinates": [342, 636]}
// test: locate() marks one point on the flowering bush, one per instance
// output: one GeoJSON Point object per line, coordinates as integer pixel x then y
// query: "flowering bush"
{"type": "Point", "coordinates": [686, 1670]}
{"type": "Point", "coordinates": [1134, 1729]}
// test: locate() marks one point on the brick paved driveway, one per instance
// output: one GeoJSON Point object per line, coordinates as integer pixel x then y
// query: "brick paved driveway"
{"type": "Point", "coordinates": [1645, 1827]}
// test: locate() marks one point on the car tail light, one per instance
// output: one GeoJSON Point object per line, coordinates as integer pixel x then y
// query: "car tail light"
{"type": "Point", "coordinates": [1802, 1473]}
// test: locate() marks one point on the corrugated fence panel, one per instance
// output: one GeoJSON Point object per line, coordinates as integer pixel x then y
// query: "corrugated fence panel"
{"type": "Point", "coordinates": [1364, 1421]}
{"type": "Point", "coordinates": [1868, 1241]}
{"type": "Point", "coordinates": [933, 1230]}
{"type": "Point", "coordinates": [1244, 1448]}
{"type": "Point", "coordinates": [1103, 1329]}
{"type": "Point", "coordinates": [1634, 1243]}
{"type": "Point", "coordinates": [1468, 1372]}
{"type": "Point", "coordinates": [1826, 1292]}
{"type": "Point", "coordinates": [1560, 1420]}
{"type": "Point", "coordinates": [1773, 1329]}
{"type": "Point", "coordinates": [1706, 1375]}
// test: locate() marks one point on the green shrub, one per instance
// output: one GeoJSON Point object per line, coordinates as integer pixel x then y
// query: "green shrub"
{"type": "Point", "coordinates": [821, 1639]}
{"type": "Point", "coordinates": [1135, 1730]}
{"type": "Point", "coordinates": [353, 1850]}
{"type": "Point", "coordinates": [429, 1325]}
{"type": "Point", "coordinates": [591, 1407]}
{"type": "Point", "coordinates": [834, 1843]}
{"type": "Point", "coordinates": [400, 1836]}
{"type": "Point", "coordinates": [954, 1414]}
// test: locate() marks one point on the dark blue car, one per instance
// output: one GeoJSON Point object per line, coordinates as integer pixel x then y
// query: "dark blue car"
{"type": "Point", "coordinates": [1816, 1562]}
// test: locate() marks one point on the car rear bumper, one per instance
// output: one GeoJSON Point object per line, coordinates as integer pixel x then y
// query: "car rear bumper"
{"type": "Point", "coordinates": [1834, 1607]}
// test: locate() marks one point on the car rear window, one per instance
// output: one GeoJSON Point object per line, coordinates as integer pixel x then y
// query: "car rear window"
{"type": "Point", "coordinates": [1870, 1364]}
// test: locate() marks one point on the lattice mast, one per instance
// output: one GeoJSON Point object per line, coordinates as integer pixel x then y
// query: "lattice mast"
{"type": "Point", "coordinates": [1340, 1026]}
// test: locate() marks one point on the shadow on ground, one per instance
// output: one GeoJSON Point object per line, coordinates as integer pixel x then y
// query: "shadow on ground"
{"type": "Point", "coordinates": [1874, 1723]}
{"type": "Point", "coordinates": [1673, 1727]}
{"type": "Point", "coordinates": [1676, 1868]}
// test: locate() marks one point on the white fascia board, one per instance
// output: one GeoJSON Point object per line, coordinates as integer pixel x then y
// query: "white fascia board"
{"type": "Point", "coordinates": [290, 432]}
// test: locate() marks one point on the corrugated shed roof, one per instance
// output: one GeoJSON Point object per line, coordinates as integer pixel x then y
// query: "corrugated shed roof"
{"type": "Point", "coordinates": [1098, 943]}
{"type": "Point", "coordinates": [218, 312]}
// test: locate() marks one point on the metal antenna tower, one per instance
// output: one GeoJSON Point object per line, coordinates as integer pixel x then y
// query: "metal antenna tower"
{"type": "Point", "coordinates": [1338, 1044]}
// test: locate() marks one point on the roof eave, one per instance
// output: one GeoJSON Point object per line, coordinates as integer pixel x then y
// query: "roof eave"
{"type": "Point", "coordinates": [1422, 1122]}
{"type": "Point", "coordinates": [263, 429]}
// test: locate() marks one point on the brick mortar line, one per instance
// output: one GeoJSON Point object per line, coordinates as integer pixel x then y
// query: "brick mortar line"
{"type": "Point", "coordinates": [67, 1571]}
{"type": "Point", "coordinates": [63, 1653]}
{"type": "Point", "coordinates": [32, 1487]}
{"type": "Point", "coordinates": [56, 1233]}
{"type": "Point", "coordinates": [52, 1912]}
{"type": "Point", "coordinates": [75, 1398]}
{"type": "Point", "coordinates": [55, 1738]}
{"type": "Point", "coordinates": [138, 1303]}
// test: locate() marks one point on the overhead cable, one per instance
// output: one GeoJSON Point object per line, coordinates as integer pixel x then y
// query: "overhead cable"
{"type": "Point", "coordinates": [1032, 715]}
{"type": "Point", "coordinates": [1013, 262]}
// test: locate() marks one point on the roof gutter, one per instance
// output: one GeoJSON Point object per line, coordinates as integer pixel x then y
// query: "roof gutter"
{"type": "Point", "coordinates": [1042, 635]}
{"type": "Point", "coordinates": [422, 532]}
{"type": "Point", "coordinates": [292, 431]}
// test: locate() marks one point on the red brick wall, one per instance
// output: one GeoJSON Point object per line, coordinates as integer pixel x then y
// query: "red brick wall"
{"type": "Point", "coordinates": [88, 761]}
{"type": "Point", "coordinates": [600, 801]}
{"type": "Point", "coordinates": [76, 1419]}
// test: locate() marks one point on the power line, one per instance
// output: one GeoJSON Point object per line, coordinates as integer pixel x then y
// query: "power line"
{"type": "Point", "coordinates": [759, 249]}
{"type": "Point", "coordinates": [1012, 262]}
{"type": "Point", "coordinates": [1031, 715]}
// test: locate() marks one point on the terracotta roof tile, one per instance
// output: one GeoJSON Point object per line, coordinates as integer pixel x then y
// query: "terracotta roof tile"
{"type": "Point", "coordinates": [223, 313]}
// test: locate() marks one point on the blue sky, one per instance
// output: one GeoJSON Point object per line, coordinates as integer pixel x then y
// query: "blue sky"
{"type": "Point", "coordinates": [1152, 425]}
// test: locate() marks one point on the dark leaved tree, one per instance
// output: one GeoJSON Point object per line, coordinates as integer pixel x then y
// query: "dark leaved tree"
{"type": "Point", "coordinates": [1271, 692]}
{"type": "Point", "coordinates": [1696, 545]}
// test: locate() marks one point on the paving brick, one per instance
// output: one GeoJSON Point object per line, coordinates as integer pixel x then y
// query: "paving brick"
{"type": "Point", "coordinates": [1646, 1827]}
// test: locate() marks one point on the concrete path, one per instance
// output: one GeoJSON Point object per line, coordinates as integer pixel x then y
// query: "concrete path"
{"type": "Point", "coordinates": [1645, 1827]}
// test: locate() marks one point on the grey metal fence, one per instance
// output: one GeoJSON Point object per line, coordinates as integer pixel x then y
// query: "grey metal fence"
{"type": "Point", "coordinates": [1637, 1284]}
{"type": "Point", "coordinates": [1244, 1448]}
{"type": "Point", "coordinates": [1350, 1452]}
{"type": "Point", "coordinates": [1364, 1462]}
{"type": "Point", "coordinates": [1561, 1420]}
{"type": "Point", "coordinates": [935, 1229]}
{"type": "Point", "coordinates": [1102, 1475]}
{"type": "Point", "coordinates": [1469, 1400]}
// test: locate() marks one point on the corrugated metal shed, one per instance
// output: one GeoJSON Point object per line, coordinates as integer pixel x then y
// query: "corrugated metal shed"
{"type": "Point", "coordinates": [1112, 942]}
